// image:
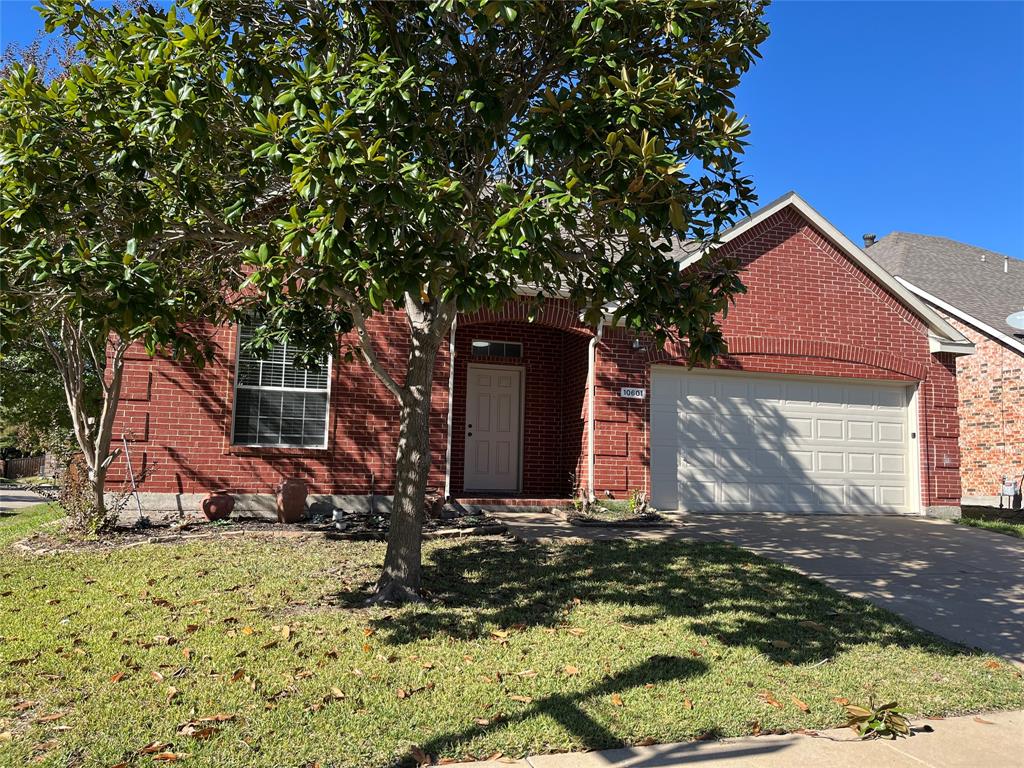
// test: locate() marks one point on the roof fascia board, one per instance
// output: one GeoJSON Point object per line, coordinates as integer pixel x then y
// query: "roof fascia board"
{"type": "Point", "coordinates": [945, 306]}
{"type": "Point", "coordinates": [935, 321]}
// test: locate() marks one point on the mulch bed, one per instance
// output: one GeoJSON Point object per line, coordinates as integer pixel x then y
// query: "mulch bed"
{"type": "Point", "coordinates": [58, 538]}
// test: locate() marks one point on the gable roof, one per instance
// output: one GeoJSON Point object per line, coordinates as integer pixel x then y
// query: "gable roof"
{"type": "Point", "coordinates": [943, 337]}
{"type": "Point", "coordinates": [960, 276]}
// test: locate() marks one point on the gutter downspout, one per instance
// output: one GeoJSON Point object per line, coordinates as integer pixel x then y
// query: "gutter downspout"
{"type": "Point", "coordinates": [591, 393]}
{"type": "Point", "coordinates": [451, 398]}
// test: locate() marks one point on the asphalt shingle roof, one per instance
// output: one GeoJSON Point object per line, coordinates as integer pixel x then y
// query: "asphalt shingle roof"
{"type": "Point", "coordinates": [969, 278]}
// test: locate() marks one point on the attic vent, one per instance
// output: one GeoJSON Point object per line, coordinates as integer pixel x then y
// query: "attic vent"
{"type": "Point", "coordinates": [869, 240]}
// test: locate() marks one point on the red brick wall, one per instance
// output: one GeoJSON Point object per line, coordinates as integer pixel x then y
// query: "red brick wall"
{"type": "Point", "coordinates": [808, 311]}
{"type": "Point", "coordinates": [991, 388]}
{"type": "Point", "coordinates": [180, 417]}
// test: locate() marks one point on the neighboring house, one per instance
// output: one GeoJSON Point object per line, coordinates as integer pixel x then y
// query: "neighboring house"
{"type": "Point", "coordinates": [975, 290]}
{"type": "Point", "coordinates": [838, 394]}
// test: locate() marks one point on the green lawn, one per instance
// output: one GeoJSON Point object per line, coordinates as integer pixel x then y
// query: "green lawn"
{"type": "Point", "coordinates": [522, 649]}
{"type": "Point", "coordinates": [999, 526]}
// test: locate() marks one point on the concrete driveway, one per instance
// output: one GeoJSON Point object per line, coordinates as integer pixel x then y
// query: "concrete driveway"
{"type": "Point", "coordinates": [961, 583]}
{"type": "Point", "coordinates": [15, 498]}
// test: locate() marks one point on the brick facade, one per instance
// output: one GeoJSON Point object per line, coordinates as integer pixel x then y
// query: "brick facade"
{"type": "Point", "coordinates": [808, 311]}
{"type": "Point", "coordinates": [991, 392]}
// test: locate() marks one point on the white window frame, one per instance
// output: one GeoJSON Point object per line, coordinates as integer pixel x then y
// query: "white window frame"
{"type": "Point", "coordinates": [234, 402]}
{"type": "Point", "coordinates": [496, 341]}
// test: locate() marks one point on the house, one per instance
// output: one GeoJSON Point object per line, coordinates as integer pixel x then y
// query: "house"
{"type": "Point", "coordinates": [838, 394]}
{"type": "Point", "coordinates": [975, 291]}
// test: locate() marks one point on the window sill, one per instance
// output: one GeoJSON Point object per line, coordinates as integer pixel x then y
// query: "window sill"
{"type": "Point", "coordinates": [275, 450]}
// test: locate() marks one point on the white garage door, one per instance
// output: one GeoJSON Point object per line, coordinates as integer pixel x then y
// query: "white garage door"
{"type": "Point", "coordinates": [743, 442]}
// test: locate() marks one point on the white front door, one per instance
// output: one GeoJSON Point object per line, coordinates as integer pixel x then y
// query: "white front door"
{"type": "Point", "coordinates": [493, 410]}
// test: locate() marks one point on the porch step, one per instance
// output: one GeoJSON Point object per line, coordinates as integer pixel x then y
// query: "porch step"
{"type": "Point", "coordinates": [514, 501]}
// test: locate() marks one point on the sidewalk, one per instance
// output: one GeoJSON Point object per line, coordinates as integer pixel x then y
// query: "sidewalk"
{"type": "Point", "coordinates": [15, 498]}
{"type": "Point", "coordinates": [992, 740]}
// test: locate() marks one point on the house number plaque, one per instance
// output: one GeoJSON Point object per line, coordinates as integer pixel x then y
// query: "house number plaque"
{"type": "Point", "coordinates": [633, 393]}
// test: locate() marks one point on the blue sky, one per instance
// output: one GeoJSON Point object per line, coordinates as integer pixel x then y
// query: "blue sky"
{"type": "Point", "coordinates": [883, 115]}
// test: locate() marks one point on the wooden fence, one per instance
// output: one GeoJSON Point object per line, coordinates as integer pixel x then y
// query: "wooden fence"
{"type": "Point", "coordinates": [26, 467]}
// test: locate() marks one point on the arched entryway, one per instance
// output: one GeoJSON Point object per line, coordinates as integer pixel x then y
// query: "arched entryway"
{"type": "Point", "coordinates": [519, 402]}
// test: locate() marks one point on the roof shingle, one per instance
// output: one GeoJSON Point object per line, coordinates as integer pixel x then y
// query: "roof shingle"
{"type": "Point", "coordinates": [970, 278]}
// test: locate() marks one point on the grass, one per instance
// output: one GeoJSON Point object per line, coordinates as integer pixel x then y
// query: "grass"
{"type": "Point", "coordinates": [999, 526]}
{"type": "Point", "coordinates": [521, 649]}
{"type": "Point", "coordinates": [17, 524]}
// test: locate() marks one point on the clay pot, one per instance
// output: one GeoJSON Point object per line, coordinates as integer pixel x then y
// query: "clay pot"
{"type": "Point", "coordinates": [291, 500]}
{"type": "Point", "coordinates": [218, 505]}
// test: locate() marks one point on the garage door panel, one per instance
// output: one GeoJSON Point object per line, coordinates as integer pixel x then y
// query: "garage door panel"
{"type": "Point", "coordinates": [861, 463]}
{"type": "Point", "coordinates": [753, 443]}
{"type": "Point", "coordinates": [890, 432]}
{"type": "Point", "coordinates": [860, 430]}
{"type": "Point", "coordinates": [892, 464]}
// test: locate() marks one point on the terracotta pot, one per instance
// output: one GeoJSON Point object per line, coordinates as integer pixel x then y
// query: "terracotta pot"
{"type": "Point", "coordinates": [291, 500]}
{"type": "Point", "coordinates": [218, 505]}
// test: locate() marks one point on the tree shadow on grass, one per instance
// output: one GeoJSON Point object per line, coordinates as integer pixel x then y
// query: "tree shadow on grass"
{"type": "Point", "coordinates": [567, 709]}
{"type": "Point", "coordinates": [727, 594]}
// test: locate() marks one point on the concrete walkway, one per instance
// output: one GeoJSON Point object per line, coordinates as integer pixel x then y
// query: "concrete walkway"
{"type": "Point", "coordinates": [993, 740]}
{"type": "Point", "coordinates": [964, 584]}
{"type": "Point", "coordinates": [13, 498]}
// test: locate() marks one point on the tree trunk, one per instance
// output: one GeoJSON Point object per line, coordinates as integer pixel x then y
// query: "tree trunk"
{"type": "Point", "coordinates": [99, 487]}
{"type": "Point", "coordinates": [93, 433]}
{"type": "Point", "coordinates": [400, 579]}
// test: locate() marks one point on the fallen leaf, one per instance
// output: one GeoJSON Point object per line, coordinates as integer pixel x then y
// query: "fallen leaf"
{"type": "Point", "coordinates": [523, 699]}
{"type": "Point", "coordinates": [366, 648]}
{"type": "Point", "coordinates": [769, 699]}
{"type": "Point", "coordinates": [687, 704]}
{"type": "Point", "coordinates": [647, 741]}
{"type": "Point", "coordinates": [481, 721]}
{"type": "Point", "coordinates": [802, 706]}
{"type": "Point", "coordinates": [570, 670]}
{"type": "Point", "coordinates": [421, 757]}
{"type": "Point", "coordinates": [617, 700]}
{"type": "Point", "coordinates": [984, 721]}
{"type": "Point", "coordinates": [158, 676]}
{"type": "Point", "coordinates": [197, 732]}
{"type": "Point", "coordinates": [337, 693]}
{"type": "Point", "coordinates": [171, 693]}
{"type": "Point", "coordinates": [6, 736]}
{"type": "Point", "coordinates": [402, 693]}
{"type": "Point", "coordinates": [841, 700]}
{"type": "Point", "coordinates": [191, 628]}
{"type": "Point", "coordinates": [170, 757]}
{"type": "Point", "coordinates": [782, 644]}
{"type": "Point", "coordinates": [21, 706]}
{"type": "Point", "coordinates": [117, 678]}
{"type": "Point", "coordinates": [367, 631]}
{"type": "Point", "coordinates": [247, 630]}
{"type": "Point", "coordinates": [49, 718]}
{"type": "Point", "coordinates": [993, 664]}
{"type": "Point", "coordinates": [220, 717]}
{"type": "Point", "coordinates": [153, 746]}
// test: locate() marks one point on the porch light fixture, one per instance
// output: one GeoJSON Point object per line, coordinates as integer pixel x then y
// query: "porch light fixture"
{"type": "Point", "coordinates": [637, 346]}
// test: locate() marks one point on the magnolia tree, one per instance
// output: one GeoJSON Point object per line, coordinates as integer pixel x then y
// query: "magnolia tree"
{"type": "Point", "coordinates": [438, 157]}
{"type": "Point", "coordinates": [105, 241]}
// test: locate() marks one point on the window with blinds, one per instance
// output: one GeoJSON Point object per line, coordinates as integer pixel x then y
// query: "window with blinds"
{"type": "Point", "coordinates": [278, 403]}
